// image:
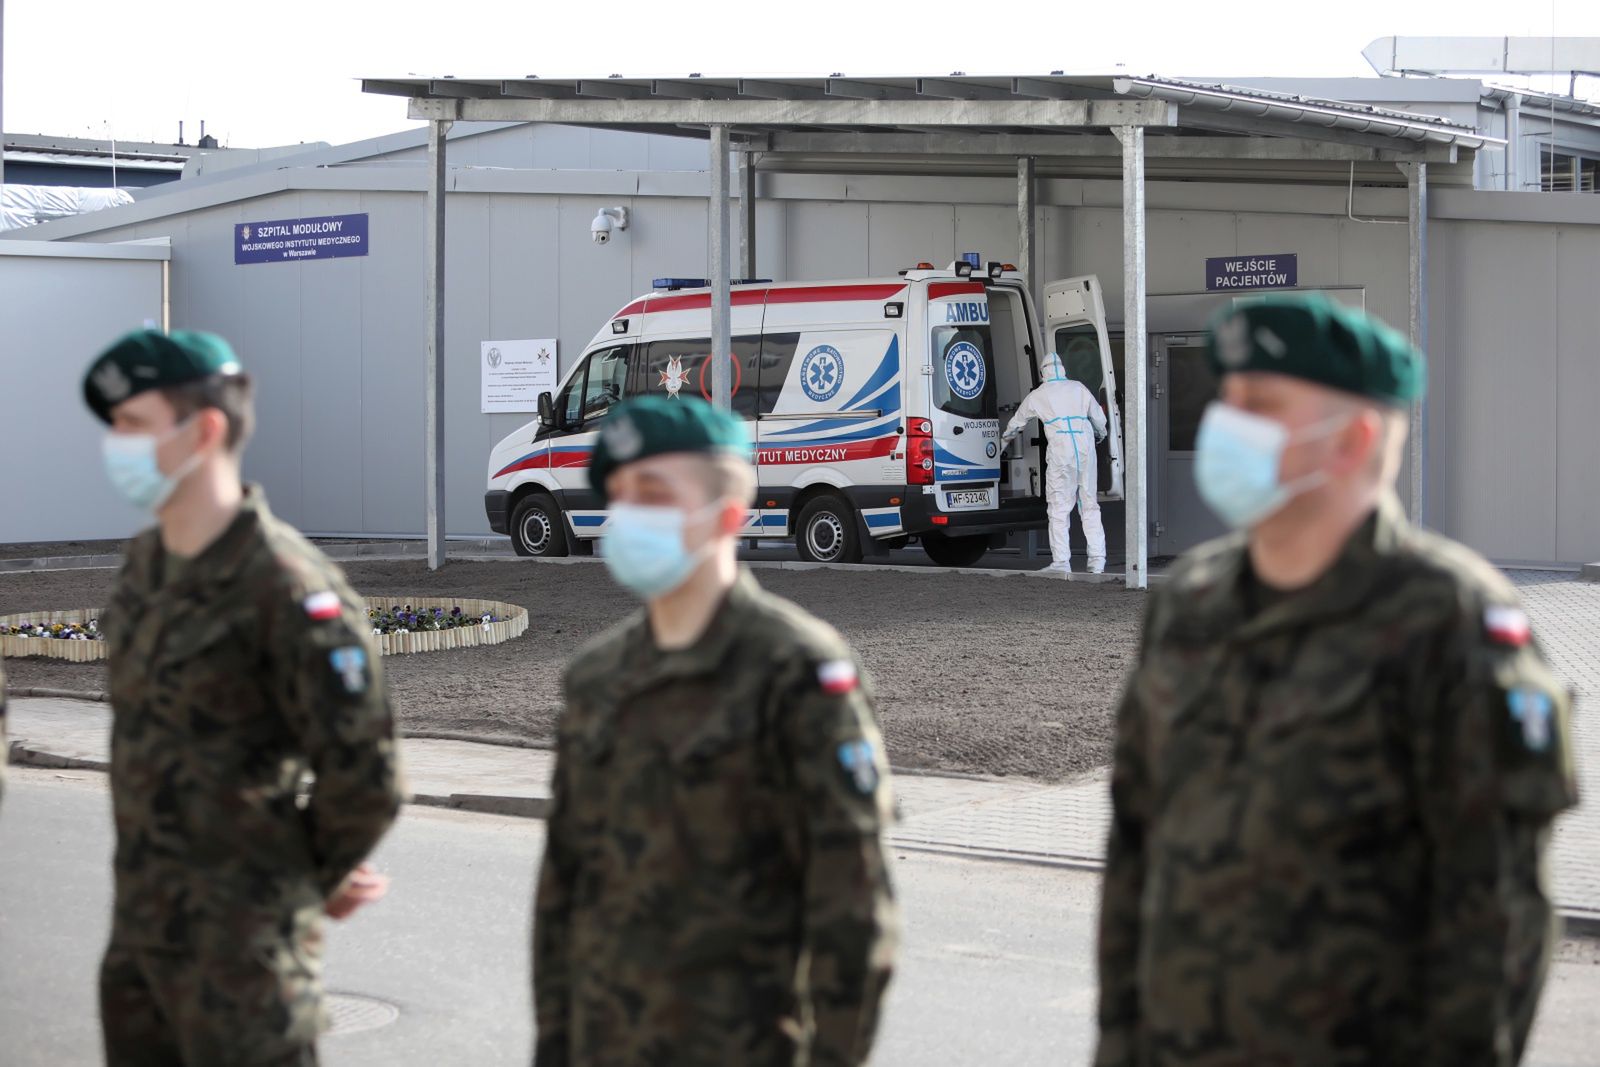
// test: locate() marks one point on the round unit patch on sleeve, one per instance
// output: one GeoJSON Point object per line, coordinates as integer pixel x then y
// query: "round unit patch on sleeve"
{"type": "Point", "coordinates": [323, 605]}
{"type": "Point", "coordinates": [1506, 625]}
{"type": "Point", "coordinates": [837, 677]}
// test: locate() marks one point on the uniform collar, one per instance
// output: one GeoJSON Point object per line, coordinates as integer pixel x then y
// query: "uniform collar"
{"type": "Point", "coordinates": [641, 666]}
{"type": "Point", "coordinates": [1360, 566]}
{"type": "Point", "coordinates": [712, 648]}
{"type": "Point", "coordinates": [218, 562]}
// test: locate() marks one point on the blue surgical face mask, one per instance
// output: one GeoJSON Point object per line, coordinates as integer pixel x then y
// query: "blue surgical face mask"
{"type": "Point", "coordinates": [130, 462]}
{"type": "Point", "coordinates": [1237, 456]}
{"type": "Point", "coordinates": [644, 550]}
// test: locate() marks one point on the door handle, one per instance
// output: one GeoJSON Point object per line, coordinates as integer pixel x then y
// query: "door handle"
{"type": "Point", "coordinates": [959, 429]}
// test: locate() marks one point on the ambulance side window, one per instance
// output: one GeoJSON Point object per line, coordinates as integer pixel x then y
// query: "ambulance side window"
{"type": "Point", "coordinates": [777, 355]}
{"type": "Point", "coordinates": [974, 344]}
{"type": "Point", "coordinates": [607, 374]}
{"type": "Point", "coordinates": [569, 403]}
{"type": "Point", "coordinates": [1079, 349]}
{"type": "Point", "coordinates": [679, 367]}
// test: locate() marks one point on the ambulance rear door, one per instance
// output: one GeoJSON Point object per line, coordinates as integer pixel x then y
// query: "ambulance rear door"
{"type": "Point", "coordinates": [965, 414]}
{"type": "Point", "coordinates": [1075, 329]}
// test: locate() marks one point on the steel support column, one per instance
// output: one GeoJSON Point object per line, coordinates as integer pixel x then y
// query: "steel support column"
{"type": "Point", "coordinates": [720, 262]}
{"type": "Point", "coordinates": [747, 215]}
{"type": "Point", "coordinates": [1028, 262]}
{"type": "Point", "coordinates": [1135, 388]}
{"type": "Point", "coordinates": [1417, 217]}
{"type": "Point", "coordinates": [1027, 247]}
{"type": "Point", "coordinates": [433, 398]}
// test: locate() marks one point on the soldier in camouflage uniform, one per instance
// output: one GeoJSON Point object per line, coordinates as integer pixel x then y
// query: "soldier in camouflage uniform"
{"type": "Point", "coordinates": [5, 747]}
{"type": "Point", "coordinates": [1340, 753]}
{"type": "Point", "coordinates": [715, 887]}
{"type": "Point", "coordinates": [239, 661]}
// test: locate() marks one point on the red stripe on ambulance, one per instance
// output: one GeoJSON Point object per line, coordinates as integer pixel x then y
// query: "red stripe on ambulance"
{"type": "Point", "coordinates": [840, 453]}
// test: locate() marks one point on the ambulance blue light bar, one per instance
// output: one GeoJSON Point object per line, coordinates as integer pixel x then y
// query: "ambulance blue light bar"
{"type": "Point", "coordinates": [702, 283]}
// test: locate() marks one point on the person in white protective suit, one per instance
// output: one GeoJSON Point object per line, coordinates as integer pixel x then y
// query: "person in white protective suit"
{"type": "Point", "coordinates": [1072, 421]}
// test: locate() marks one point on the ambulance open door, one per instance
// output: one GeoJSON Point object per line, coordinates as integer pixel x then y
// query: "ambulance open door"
{"type": "Point", "coordinates": [1075, 329]}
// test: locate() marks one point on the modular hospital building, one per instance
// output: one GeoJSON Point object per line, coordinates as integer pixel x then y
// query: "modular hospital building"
{"type": "Point", "coordinates": [1246, 186]}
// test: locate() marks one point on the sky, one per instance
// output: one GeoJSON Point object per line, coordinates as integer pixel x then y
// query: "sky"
{"type": "Point", "coordinates": [287, 72]}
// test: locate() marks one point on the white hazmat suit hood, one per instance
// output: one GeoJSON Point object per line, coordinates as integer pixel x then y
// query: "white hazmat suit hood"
{"type": "Point", "coordinates": [1072, 421]}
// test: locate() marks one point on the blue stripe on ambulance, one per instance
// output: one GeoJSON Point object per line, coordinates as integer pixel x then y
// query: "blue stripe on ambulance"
{"type": "Point", "coordinates": [882, 520]}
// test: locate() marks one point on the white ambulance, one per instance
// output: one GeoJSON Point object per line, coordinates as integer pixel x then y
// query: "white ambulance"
{"type": "Point", "coordinates": [875, 408]}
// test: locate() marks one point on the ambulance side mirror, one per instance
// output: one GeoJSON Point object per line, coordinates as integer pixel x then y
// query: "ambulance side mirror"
{"type": "Point", "coordinates": [547, 410]}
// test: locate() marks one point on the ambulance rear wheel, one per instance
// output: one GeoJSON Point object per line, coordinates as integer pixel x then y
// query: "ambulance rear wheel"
{"type": "Point", "coordinates": [536, 528]}
{"type": "Point", "coordinates": [826, 532]}
{"type": "Point", "coordinates": [948, 551]}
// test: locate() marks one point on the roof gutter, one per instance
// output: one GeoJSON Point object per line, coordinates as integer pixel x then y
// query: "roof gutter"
{"type": "Point", "coordinates": [1304, 113]}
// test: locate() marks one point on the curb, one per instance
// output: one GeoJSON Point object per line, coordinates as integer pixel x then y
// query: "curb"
{"type": "Point", "coordinates": [498, 740]}
{"type": "Point", "coordinates": [1590, 572]}
{"type": "Point", "coordinates": [44, 692]}
{"type": "Point", "coordinates": [24, 755]}
{"type": "Point", "coordinates": [60, 563]}
{"type": "Point", "coordinates": [1578, 923]}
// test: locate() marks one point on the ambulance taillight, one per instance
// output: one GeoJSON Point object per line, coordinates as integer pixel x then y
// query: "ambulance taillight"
{"type": "Point", "coordinates": [919, 452]}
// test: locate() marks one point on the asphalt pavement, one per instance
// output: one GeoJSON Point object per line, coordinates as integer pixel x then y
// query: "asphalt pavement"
{"type": "Point", "coordinates": [997, 965]}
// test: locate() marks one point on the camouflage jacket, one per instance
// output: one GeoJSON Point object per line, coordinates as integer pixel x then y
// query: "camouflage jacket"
{"type": "Point", "coordinates": [5, 746]}
{"type": "Point", "coordinates": [1329, 815]}
{"type": "Point", "coordinates": [715, 887]}
{"type": "Point", "coordinates": [254, 666]}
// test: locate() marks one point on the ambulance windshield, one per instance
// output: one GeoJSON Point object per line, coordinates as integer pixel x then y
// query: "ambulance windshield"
{"type": "Point", "coordinates": [963, 371]}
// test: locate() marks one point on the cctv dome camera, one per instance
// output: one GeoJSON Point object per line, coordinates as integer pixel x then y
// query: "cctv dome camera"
{"type": "Point", "coordinates": [607, 220]}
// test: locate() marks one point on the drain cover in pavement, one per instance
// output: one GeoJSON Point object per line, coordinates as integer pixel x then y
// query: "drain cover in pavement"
{"type": "Point", "coordinates": [349, 1014]}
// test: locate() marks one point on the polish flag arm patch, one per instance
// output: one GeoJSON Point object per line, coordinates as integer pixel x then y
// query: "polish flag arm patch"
{"type": "Point", "coordinates": [837, 677]}
{"type": "Point", "coordinates": [1507, 626]}
{"type": "Point", "coordinates": [323, 605]}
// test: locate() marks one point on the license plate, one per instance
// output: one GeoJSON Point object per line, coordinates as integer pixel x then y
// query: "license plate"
{"type": "Point", "coordinates": [967, 498]}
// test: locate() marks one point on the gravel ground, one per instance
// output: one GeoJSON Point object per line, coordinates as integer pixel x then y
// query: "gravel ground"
{"type": "Point", "coordinates": [979, 674]}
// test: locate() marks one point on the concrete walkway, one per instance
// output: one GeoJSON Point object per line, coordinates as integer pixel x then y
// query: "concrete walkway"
{"type": "Point", "coordinates": [1016, 820]}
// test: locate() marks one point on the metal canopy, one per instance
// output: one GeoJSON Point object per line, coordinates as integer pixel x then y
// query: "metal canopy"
{"type": "Point", "coordinates": [1043, 114]}
{"type": "Point", "coordinates": [1020, 119]}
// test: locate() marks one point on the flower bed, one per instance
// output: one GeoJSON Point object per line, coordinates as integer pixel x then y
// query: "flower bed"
{"type": "Point", "coordinates": [400, 625]}
{"type": "Point", "coordinates": [432, 624]}
{"type": "Point", "coordinates": [69, 635]}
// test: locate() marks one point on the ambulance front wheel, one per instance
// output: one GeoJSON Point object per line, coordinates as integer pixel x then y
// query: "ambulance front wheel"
{"type": "Point", "coordinates": [951, 551]}
{"type": "Point", "coordinates": [536, 527]}
{"type": "Point", "coordinates": [826, 532]}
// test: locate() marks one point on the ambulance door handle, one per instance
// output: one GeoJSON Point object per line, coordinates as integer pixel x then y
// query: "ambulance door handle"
{"type": "Point", "coordinates": [958, 429]}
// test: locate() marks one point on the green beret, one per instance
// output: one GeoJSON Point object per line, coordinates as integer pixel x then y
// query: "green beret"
{"type": "Point", "coordinates": [658, 425]}
{"type": "Point", "coordinates": [1312, 337]}
{"type": "Point", "coordinates": [149, 359]}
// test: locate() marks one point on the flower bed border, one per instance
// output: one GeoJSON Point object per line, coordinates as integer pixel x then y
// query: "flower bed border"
{"type": "Point", "coordinates": [513, 623]}
{"type": "Point", "coordinates": [12, 647]}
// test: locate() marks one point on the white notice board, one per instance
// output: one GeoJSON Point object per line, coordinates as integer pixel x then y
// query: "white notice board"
{"type": "Point", "coordinates": [516, 372]}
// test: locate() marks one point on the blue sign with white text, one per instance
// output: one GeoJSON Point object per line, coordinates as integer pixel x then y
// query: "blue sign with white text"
{"type": "Point", "coordinates": [1252, 272]}
{"type": "Point", "coordinates": [291, 240]}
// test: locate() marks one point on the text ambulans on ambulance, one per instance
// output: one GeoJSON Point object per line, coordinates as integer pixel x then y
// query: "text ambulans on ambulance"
{"type": "Point", "coordinates": [875, 408]}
